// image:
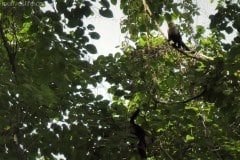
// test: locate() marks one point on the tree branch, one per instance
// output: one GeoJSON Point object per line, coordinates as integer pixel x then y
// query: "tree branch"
{"type": "Point", "coordinates": [165, 152]}
{"type": "Point", "coordinates": [197, 55]}
{"type": "Point", "coordinates": [10, 52]}
{"type": "Point", "coordinates": [148, 11]}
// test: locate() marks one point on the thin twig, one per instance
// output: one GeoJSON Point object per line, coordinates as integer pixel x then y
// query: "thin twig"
{"type": "Point", "coordinates": [182, 102]}
{"type": "Point", "coordinates": [165, 152]}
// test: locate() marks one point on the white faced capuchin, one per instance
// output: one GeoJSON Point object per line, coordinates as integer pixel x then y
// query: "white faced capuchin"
{"type": "Point", "coordinates": [144, 138]}
{"type": "Point", "coordinates": [174, 35]}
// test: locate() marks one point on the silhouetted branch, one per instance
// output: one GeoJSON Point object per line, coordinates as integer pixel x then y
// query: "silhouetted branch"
{"type": "Point", "coordinates": [10, 52]}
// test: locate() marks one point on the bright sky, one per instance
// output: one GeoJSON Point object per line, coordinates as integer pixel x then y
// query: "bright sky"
{"type": "Point", "coordinates": [111, 37]}
{"type": "Point", "coordinates": [109, 30]}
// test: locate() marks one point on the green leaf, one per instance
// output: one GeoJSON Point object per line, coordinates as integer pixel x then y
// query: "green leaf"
{"type": "Point", "coordinates": [79, 32]}
{"type": "Point", "coordinates": [106, 13]}
{"type": "Point", "coordinates": [142, 42]}
{"type": "Point", "coordinates": [86, 9]}
{"type": "Point", "coordinates": [74, 23]}
{"type": "Point", "coordinates": [114, 2]}
{"type": "Point", "coordinates": [46, 95]}
{"type": "Point", "coordinates": [54, 16]}
{"type": "Point", "coordinates": [90, 27]}
{"type": "Point", "coordinates": [229, 29]}
{"type": "Point", "coordinates": [61, 6]}
{"type": "Point", "coordinates": [91, 48]}
{"type": "Point", "coordinates": [234, 51]}
{"type": "Point", "coordinates": [105, 3]}
{"type": "Point", "coordinates": [32, 29]}
{"type": "Point", "coordinates": [168, 17]}
{"type": "Point", "coordinates": [189, 138]}
{"type": "Point", "coordinates": [58, 27]}
{"type": "Point", "coordinates": [99, 97]}
{"type": "Point", "coordinates": [200, 29]}
{"type": "Point", "coordinates": [94, 35]}
{"type": "Point", "coordinates": [69, 3]}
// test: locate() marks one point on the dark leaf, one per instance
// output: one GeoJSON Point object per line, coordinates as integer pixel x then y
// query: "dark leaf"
{"type": "Point", "coordinates": [114, 2]}
{"type": "Point", "coordinates": [229, 30]}
{"type": "Point", "coordinates": [91, 48]}
{"type": "Point", "coordinates": [106, 13]}
{"type": "Point", "coordinates": [105, 3]}
{"type": "Point", "coordinates": [90, 27]}
{"type": "Point", "coordinates": [94, 35]}
{"type": "Point", "coordinates": [79, 32]}
{"type": "Point", "coordinates": [86, 11]}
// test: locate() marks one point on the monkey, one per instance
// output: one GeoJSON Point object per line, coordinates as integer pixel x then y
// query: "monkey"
{"type": "Point", "coordinates": [174, 35]}
{"type": "Point", "coordinates": [141, 134]}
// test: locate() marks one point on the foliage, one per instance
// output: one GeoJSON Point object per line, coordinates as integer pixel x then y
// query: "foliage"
{"type": "Point", "coordinates": [189, 104]}
{"type": "Point", "coordinates": [46, 105]}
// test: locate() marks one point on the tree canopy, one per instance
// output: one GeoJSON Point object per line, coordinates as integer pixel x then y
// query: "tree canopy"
{"type": "Point", "coordinates": [188, 101]}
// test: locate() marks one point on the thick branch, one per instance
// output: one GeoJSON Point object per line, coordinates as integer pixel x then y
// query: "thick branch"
{"type": "Point", "coordinates": [11, 54]}
{"type": "Point", "coordinates": [197, 56]}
